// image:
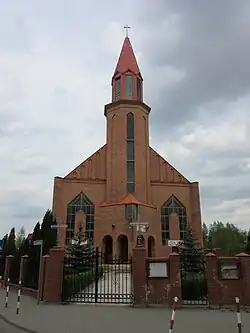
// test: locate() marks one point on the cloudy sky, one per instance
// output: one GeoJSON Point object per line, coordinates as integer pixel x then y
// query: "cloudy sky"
{"type": "Point", "coordinates": [56, 61]}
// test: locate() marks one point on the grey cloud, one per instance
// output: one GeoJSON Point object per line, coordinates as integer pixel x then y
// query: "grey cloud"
{"type": "Point", "coordinates": [214, 50]}
{"type": "Point", "coordinates": [223, 170]}
{"type": "Point", "coordinates": [14, 33]}
{"type": "Point", "coordinates": [214, 194]}
{"type": "Point", "coordinates": [24, 212]}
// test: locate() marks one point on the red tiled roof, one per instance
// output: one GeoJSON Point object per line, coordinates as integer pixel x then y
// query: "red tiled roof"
{"type": "Point", "coordinates": [128, 199]}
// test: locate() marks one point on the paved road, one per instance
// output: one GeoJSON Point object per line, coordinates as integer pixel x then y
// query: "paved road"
{"type": "Point", "coordinates": [7, 328]}
{"type": "Point", "coordinates": [50, 318]}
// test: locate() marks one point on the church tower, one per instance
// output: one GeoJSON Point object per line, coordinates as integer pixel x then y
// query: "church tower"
{"type": "Point", "coordinates": [127, 132]}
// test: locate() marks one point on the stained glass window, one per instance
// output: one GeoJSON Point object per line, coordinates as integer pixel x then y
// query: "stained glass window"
{"type": "Point", "coordinates": [172, 205]}
{"type": "Point", "coordinates": [80, 202]}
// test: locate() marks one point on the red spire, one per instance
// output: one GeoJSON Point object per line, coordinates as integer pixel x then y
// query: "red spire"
{"type": "Point", "coordinates": [127, 60]}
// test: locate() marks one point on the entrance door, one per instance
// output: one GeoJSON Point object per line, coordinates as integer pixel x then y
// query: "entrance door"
{"type": "Point", "coordinates": [108, 249]}
{"type": "Point", "coordinates": [151, 246]}
{"type": "Point", "coordinates": [123, 247]}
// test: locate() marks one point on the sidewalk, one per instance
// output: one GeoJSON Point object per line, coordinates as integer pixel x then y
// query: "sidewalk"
{"type": "Point", "coordinates": [49, 318]}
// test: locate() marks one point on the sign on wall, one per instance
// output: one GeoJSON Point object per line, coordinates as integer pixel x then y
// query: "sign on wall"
{"type": "Point", "coordinates": [173, 242]}
{"type": "Point", "coordinates": [229, 270]}
{"type": "Point", "coordinates": [157, 269]}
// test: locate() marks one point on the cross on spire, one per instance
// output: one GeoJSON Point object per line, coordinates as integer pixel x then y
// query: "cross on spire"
{"type": "Point", "coordinates": [127, 27]}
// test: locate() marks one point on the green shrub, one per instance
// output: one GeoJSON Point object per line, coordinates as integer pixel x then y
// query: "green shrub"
{"type": "Point", "coordinates": [74, 283]}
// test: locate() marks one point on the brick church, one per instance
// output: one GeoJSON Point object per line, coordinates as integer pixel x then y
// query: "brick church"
{"type": "Point", "coordinates": [126, 181]}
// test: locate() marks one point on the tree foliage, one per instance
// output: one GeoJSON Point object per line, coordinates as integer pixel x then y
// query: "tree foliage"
{"type": "Point", "coordinates": [10, 246]}
{"type": "Point", "coordinates": [18, 245]}
{"type": "Point", "coordinates": [48, 235]}
{"type": "Point", "coordinates": [192, 255]}
{"type": "Point", "coordinates": [20, 237]}
{"type": "Point", "coordinates": [82, 252]}
{"type": "Point", "coordinates": [230, 239]}
{"type": "Point", "coordinates": [247, 248]}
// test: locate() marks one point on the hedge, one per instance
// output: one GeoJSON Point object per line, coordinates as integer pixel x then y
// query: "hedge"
{"type": "Point", "coordinates": [74, 283]}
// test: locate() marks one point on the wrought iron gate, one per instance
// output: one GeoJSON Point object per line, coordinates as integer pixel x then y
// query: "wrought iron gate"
{"type": "Point", "coordinates": [193, 283]}
{"type": "Point", "coordinates": [97, 279]}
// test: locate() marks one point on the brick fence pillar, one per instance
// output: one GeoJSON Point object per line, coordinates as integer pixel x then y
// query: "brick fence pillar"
{"type": "Point", "coordinates": [44, 266]}
{"type": "Point", "coordinates": [139, 275]}
{"type": "Point", "coordinates": [174, 278]}
{"type": "Point", "coordinates": [213, 287]}
{"type": "Point", "coordinates": [244, 259]}
{"type": "Point", "coordinates": [23, 264]}
{"type": "Point", "coordinates": [54, 275]}
{"type": "Point", "coordinates": [8, 263]}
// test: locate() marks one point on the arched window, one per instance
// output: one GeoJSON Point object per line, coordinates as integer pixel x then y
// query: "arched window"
{"type": "Point", "coordinates": [129, 86]}
{"type": "Point", "coordinates": [138, 81]}
{"type": "Point", "coordinates": [172, 205]}
{"type": "Point", "coordinates": [81, 202]}
{"type": "Point", "coordinates": [117, 88]}
{"type": "Point", "coordinates": [130, 154]}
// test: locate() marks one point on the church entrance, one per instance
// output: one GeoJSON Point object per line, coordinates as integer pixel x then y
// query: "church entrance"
{"type": "Point", "coordinates": [151, 246]}
{"type": "Point", "coordinates": [122, 242]}
{"type": "Point", "coordinates": [89, 278]}
{"type": "Point", "coordinates": [107, 248]}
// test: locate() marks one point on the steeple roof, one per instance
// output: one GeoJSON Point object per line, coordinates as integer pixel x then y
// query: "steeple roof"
{"type": "Point", "coordinates": [127, 60]}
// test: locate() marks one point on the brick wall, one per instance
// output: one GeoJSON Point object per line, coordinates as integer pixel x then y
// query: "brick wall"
{"type": "Point", "coordinates": [227, 278]}
{"type": "Point", "coordinates": [151, 284]}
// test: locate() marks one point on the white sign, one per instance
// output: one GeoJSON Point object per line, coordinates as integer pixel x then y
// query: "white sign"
{"type": "Point", "coordinates": [174, 242]}
{"type": "Point", "coordinates": [158, 269]}
{"type": "Point", "coordinates": [140, 226]}
{"type": "Point", "coordinates": [37, 242]}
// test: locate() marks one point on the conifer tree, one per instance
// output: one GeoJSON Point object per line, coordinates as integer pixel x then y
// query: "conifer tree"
{"type": "Point", "coordinates": [10, 247]}
{"type": "Point", "coordinates": [49, 235]}
{"type": "Point", "coordinates": [82, 251]}
{"type": "Point", "coordinates": [192, 256]}
{"type": "Point", "coordinates": [32, 267]}
{"type": "Point", "coordinates": [248, 243]}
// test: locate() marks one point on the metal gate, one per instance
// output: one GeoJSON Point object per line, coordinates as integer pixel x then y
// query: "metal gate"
{"type": "Point", "coordinates": [193, 282]}
{"type": "Point", "coordinates": [94, 278]}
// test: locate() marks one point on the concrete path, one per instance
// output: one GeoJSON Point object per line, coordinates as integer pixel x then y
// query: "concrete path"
{"type": "Point", "coordinates": [48, 318]}
{"type": "Point", "coordinates": [113, 287]}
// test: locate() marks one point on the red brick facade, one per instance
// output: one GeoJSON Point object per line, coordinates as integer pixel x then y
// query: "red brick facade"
{"type": "Point", "coordinates": [102, 178]}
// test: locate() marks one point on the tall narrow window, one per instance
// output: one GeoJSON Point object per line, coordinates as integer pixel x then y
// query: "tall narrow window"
{"type": "Point", "coordinates": [130, 154]}
{"type": "Point", "coordinates": [117, 88]}
{"type": "Point", "coordinates": [130, 127]}
{"type": "Point", "coordinates": [138, 89]}
{"type": "Point", "coordinates": [131, 212]}
{"type": "Point", "coordinates": [129, 86]}
{"type": "Point", "coordinates": [172, 205]}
